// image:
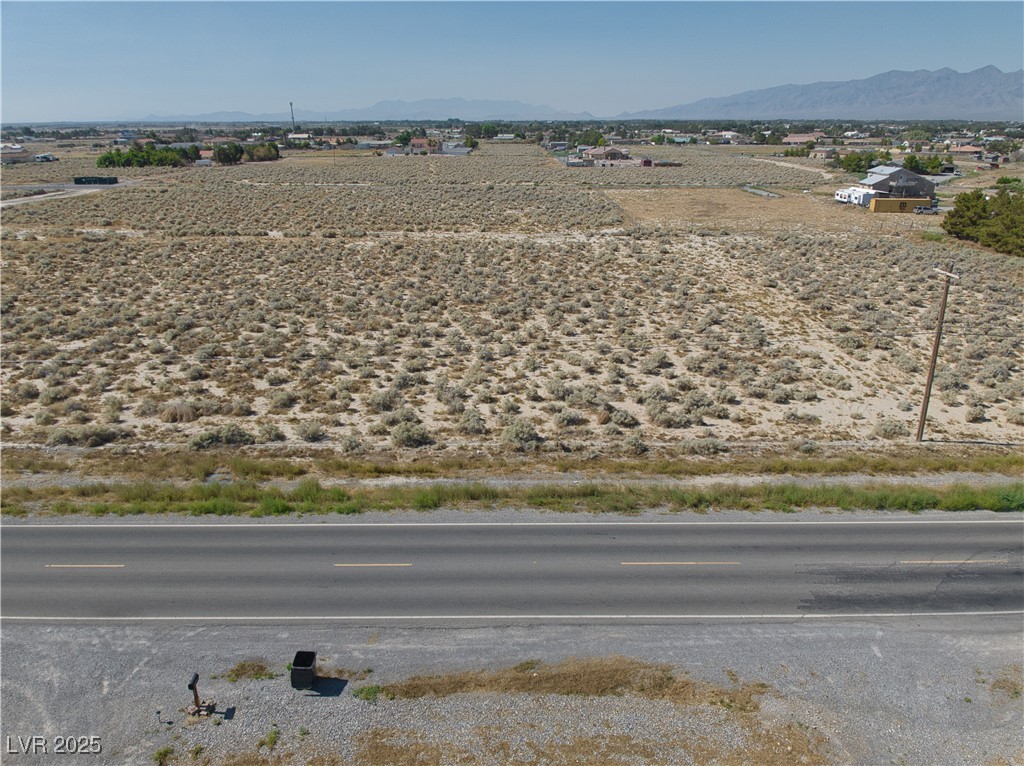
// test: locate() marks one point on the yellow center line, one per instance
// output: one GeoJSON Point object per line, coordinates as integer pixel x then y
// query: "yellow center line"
{"type": "Point", "coordinates": [680, 563]}
{"type": "Point", "coordinates": [373, 565]}
{"type": "Point", "coordinates": [85, 566]}
{"type": "Point", "coordinates": [957, 561]}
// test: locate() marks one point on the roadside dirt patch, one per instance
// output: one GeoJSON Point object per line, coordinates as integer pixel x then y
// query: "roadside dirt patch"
{"type": "Point", "coordinates": [768, 747]}
{"type": "Point", "coordinates": [741, 737]}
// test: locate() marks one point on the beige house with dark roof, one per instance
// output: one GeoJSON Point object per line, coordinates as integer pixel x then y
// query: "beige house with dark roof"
{"type": "Point", "coordinates": [606, 153]}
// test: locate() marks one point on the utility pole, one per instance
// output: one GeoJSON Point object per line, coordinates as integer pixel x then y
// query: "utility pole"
{"type": "Point", "coordinates": [292, 107]}
{"type": "Point", "coordinates": [935, 349]}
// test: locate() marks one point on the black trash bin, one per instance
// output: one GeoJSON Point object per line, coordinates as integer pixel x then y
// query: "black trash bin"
{"type": "Point", "coordinates": [304, 670]}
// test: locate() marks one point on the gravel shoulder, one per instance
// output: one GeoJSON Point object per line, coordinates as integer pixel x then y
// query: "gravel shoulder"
{"type": "Point", "coordinates": [902, 691]}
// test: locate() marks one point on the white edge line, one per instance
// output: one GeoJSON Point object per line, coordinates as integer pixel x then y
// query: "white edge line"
{"type": "Point", "coordinates": [85, 566]}
{"type": "Point", "coordinates": [317, 525]}
{"type": "Point", "coordinates": [679, 563]}
{"type": "Point", "coordinates": [507, 617]}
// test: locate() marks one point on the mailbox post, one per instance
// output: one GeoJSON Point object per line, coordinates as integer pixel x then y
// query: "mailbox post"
{"type": "Point", "coordinates": [193, 686]}
{"type": "Point", "coordinates": [199, 707]}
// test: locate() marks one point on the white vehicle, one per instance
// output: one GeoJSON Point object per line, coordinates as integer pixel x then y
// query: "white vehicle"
{"type": "Point", "coordinates": [45, 158]}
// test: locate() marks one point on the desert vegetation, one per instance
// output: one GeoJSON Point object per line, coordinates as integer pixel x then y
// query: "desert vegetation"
{"type": "Point", "coordinates": [499, 303]}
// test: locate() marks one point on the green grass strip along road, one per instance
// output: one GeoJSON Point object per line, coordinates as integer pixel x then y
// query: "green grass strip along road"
{"type": "Point", "coordinates": [250, 499]}
{"type": "Point", "coordinates": [189, 464]}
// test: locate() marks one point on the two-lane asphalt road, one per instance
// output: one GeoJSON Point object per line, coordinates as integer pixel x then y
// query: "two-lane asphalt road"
{"type": "Point", "coordinates": [621, 570]}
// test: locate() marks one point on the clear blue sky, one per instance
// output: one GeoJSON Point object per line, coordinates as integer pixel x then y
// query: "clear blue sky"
{"type": "Point", "coordinates": [125, 60]}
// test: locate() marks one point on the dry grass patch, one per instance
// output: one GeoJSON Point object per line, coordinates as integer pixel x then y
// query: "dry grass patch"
{"type": "Point", "coordinates": [250, 670]}
{"type": "Point", "coordinates": [342, 673]}
{"type": "Point", "coordinates": [276, 759]}
{"type": "Point", "coordinates": [1010, 682]}
{"type": "Point", "coordinates": [588, 677]}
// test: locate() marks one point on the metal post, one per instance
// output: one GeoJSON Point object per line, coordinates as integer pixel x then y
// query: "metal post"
{"type": "Point", "coordinates": [935, 351]}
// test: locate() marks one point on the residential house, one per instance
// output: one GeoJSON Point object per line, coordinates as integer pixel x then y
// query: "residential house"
{"type": "Point", "coordinates": [606, 153]}
{"type": "Point", "coordinates": [455, 149]}
{"type": "Point", "coordinates": [11, 154]}
{"type": "Point", "coordinates": [797, 139]}
{"type": "Point", "coordinates": [428, 145]}
{"type": "Point", "coordinates": [898, 182]}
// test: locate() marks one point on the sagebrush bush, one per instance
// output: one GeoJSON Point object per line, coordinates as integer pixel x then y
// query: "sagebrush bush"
{"type": "Point", "coordinates": [269, 432]}
{"type": "Point", "coordinates": [705, 446]}
{"type": "Point", "coordinates": [634, 445]}
{"type": "Point", "coordinates": [310, 431]}
{"type": "Point", "coordinates": [178, 412]}
{"type": "Point", "coordinates": [84, 436]}
{"type": "Point", "coordinates": [521, 435]}
{"type": "Point", "coordinates": [350, 444]}
{"type": "Point", "coordinates": [472, 422]}
{"type": "Point", "coordinates": [407, 434]}
{"type": "Point", "coordinates": [227, 435]}
{"type": "Point", "coordinates": [383, 401]}
{"type": "Point", "coordinates": [890, 429]}
{"type": "Point", "coordinates": [975, 414]}
{"type": "Point", "coordinates": [1015, 416]}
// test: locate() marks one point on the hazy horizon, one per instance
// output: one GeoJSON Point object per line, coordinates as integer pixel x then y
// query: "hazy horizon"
{"type": "Point", "coordinates": [124, 61]}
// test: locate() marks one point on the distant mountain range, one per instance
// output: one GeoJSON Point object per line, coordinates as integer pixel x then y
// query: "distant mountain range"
{"type": "Point", "coordinates": [984, 94]}
{"type": "Point", "coordinates": [476, 110]}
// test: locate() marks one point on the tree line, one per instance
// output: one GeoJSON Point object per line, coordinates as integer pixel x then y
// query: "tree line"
{"type": "Point", "coordinates": [148, 155]}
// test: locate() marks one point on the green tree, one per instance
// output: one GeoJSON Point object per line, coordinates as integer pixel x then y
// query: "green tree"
{"type": "Point", "coordinates": [589, 137]}
{"type": "Point", "coordinates": [262, 152]}
{"type": "Point", "coordinates": [859, 162]}
{"type": "Point", "coordinates": [227, 154]}
{"type": "Point", "coordinates": [142, 156]}
{"type": "Point", "coordinates": [1002, 147]}
{"type": "Point", "coordinates": [1003, 230]}
{"type": "Point", "coordinates": [403, 138]}
{"type": "Point", "coordinates": [913, 163]}
{"type": "Point", "coordinates": [969, 211]}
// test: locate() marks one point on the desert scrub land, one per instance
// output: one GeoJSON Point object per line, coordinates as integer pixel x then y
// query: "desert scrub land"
{"type": "Point", "coordinates": [492, 304]}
